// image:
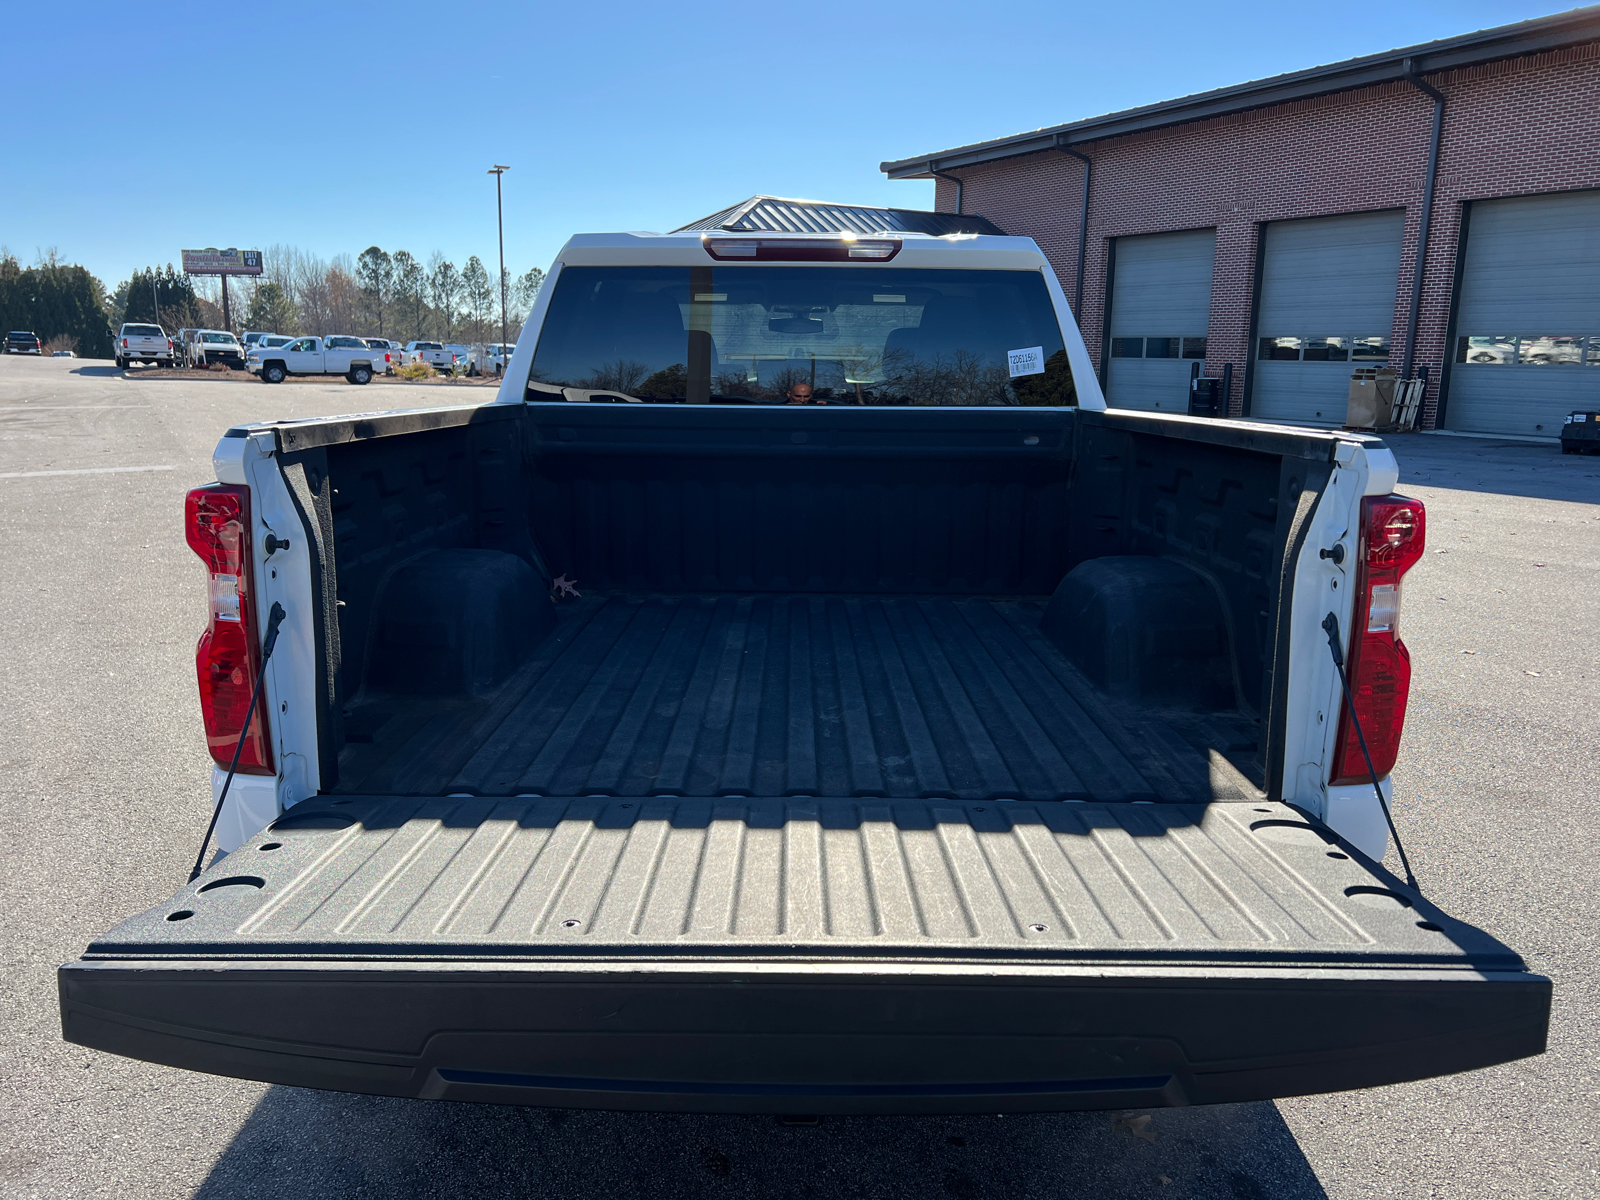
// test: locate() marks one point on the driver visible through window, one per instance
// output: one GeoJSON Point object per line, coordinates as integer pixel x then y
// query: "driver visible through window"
{"type": "Point", "coordinates": [802, 335]}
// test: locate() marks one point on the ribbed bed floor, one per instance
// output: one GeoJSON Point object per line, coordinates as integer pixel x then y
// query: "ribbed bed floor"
{"type": "Point", "coordinates": [772, 695]}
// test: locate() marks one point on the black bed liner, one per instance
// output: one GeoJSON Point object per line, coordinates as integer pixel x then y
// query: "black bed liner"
{"type": "Point", "coordinates": [822, 955]}
{"type": "Point", "coordinates": [775, 695]}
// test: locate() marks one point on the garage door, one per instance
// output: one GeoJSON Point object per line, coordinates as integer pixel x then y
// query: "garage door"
{"type": "Point", "coordinates": [1527, 346]}
{"type": "Point", "coordinates": [1327, 306]}
{"type": "Point", "coordinates": [1160, 309]}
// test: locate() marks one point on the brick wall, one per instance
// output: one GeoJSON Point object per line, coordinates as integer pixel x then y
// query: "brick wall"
{"type": "Point", "coordinates": [1511, 128]}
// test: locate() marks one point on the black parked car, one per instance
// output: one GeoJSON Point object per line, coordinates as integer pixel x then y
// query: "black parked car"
{"type": "Point", "coordinates": [21, 342]}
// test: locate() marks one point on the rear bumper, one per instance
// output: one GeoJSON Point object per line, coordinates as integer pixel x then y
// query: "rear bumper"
{"type": "Point", "coordinates": [867, 1037]}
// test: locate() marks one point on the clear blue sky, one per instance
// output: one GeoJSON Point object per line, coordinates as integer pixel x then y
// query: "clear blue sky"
{"type": "Point", "coordinates": [336, 126]}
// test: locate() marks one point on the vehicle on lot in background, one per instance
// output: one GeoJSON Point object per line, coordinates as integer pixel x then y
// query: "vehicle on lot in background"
{"type": "Point", "coordinates": [433, 353]}
{"type": "Point", "coordinates": [20, 341]}
{"type": "Point", "coordinates": [62, 354]}
{"type": "Point", "coordinates": [213, 346]}
{"type": "Point", "coordinates": [490, 359]}
{"type": "Point", "coordinates": [641, 740]}
{"type": "Point", "coordinates": [271, 341]}
{"type": "Point", "coordinates": [143, 344]}
{"type": "Point", "coordinates": [392, 348]}
{"type": "Point", "coordinates": [340, 354]}
{"type": "Point", "coordinates": [460, 350]}
{"type": "Point", "coordinates": [250, 337]}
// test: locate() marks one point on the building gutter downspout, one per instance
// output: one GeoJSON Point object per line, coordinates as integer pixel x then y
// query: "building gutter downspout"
{"type": "Point", "coordinates": [1426, 220]}
{"type": "Point", "coordinates": [955, 179]}
{"type": "Point", "coordinates": [1083, 224]}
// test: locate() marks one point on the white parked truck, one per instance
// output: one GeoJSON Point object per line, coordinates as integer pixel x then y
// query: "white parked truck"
{"type": "Point", "coordinates": [139, 343]}
{"type": "Point", "coordinates": [337, 355]}
{"type": "Point", "coordinates": [798, 692]}
{"type": "Point", "coordinates": [433, 353]}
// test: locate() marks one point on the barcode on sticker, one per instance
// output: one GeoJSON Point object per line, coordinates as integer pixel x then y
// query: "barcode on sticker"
{"type": "Point", "coordinates": [1029, 361]}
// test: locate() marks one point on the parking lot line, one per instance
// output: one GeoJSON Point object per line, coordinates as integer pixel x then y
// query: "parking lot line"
{"type": "Point", "coordinates": [80, 471]}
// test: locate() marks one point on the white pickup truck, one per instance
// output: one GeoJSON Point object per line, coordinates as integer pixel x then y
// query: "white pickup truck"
{"type": "Point", "coordinates": [640, 740]}
{"type": "Point", "coordinates": [337, 355]}
{"type": "Point", "coordinates": [435, 354]}
{"type": "Point", "coordinates": [143, 344]}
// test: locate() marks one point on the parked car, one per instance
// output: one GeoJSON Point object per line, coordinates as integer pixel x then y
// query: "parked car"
{"type": "Point", "coordinates": [20, 341]}
{"type": "Point", "coordinates": [143, 344]}
{"type": "Point", "coordinates": [62, 354]}
{"type": "Point", "coordinates": [337, 355]}
{"type": "Point", "coordinates": [218, 346]}
{"type": "Point", "coordinates": [433, 353]}
{"type": "Point", "coordinates": [391, 348]}
{"type": "Point", "coordinates": [490, 359]}
{"type": "Point", "coordinates": [906, 759]}
{"type": "Point", "coordinates": [249, 338]}
{"type": "Point", "coordinates": [271, 341]}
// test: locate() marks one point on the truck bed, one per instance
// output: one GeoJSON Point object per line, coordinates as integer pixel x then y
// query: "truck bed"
{"type": "Point", "coordinates": [814, 695]}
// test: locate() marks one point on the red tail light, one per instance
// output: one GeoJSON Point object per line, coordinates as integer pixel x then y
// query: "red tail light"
{"type": "Point", "coordinates": [800, 249]}
{"type": "Point", "coordinates": [124, 343]}
{"type": "Point", "coordinates": [217, 523]}
{"type": "Point", "coordinates": [1393, 533]}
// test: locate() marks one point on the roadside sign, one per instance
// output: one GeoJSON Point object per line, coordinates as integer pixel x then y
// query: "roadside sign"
{"type": "Point", "coordinates": [212, 261]}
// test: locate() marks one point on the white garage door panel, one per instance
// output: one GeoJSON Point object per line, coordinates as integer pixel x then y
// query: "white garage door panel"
{"type": "Point", "coordinates": [1314, 393]}
{"type": "Point", "coordinates": [1532, 266]}
{"type": "Point", "coordinates": [1151, 384]}
{"type": "Point", "coordinates": [1531, 270]}
{"type": "Point", "coordinates": [1161, 288]}
{"type": "Point", "coordinates": [1529, 401]}
{"type": "Point", "coordinates": [1323, 277]}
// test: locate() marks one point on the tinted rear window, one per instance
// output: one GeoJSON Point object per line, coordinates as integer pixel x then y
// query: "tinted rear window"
{"type": "Point", "coordinates": [777, 334]}
{"type": "Point", "coordinates": [142, 331]}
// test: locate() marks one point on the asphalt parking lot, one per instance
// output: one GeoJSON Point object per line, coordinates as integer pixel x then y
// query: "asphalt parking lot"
{"type": "Point", "coordinates": [104, 793]}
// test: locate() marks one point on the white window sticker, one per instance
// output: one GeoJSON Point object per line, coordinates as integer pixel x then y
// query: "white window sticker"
{"type": "Point", "coordinates": [1575, 416]}
{"type": "Point", "coordinates": [1026, 362]}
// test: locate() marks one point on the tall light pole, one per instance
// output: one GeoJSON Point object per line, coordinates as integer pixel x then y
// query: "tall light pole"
{"type": "Point", "coordinates": [500, 220]}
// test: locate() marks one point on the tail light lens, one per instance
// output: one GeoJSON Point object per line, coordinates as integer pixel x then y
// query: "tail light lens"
{"type": "Point", "coordinates": [227, 660]}
{"type": "Point", "coordinates": [1393, 534]}
{"type": "Point", "coordinates": [800, 249]}
{"type": "Point", "coordinates": [124, 343]}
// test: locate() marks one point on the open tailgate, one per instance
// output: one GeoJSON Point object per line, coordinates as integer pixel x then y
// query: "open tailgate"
{"type": "Point", "coordinates": [822, 956]}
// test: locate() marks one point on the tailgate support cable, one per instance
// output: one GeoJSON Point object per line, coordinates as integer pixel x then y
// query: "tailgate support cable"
{"type": "Point", "coordinates": [274, 619]}
{"type": "Point", "coordinates": [1330, 625]}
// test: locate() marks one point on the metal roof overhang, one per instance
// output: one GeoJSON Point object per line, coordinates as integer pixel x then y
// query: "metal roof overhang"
{"type": "Point", "coordinates": [1488, 45]}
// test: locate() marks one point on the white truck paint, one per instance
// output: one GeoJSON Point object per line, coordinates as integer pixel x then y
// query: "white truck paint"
{"type": "Point", "coordinates": [143, 343]}
{"type": "Point", "coordinates": [340, 354]}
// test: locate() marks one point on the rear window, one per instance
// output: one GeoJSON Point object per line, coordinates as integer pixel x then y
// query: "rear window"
{"type": "Point", "coordinates": [142, 331]}
{"type": "Point", "coordinates": [429, 346]}
{"type": "Point", "coordinates": [785, 334]}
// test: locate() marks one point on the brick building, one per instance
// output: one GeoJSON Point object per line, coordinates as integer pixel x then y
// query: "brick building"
{"type": "Point", "coordinates": [1272, 229]}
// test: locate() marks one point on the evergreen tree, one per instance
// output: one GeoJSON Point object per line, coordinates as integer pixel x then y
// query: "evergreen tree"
{"type": "Point", "coordinates": [55, 300]}
{"type": "Point", "coordinates": [375, 274]}
{"type": "Point", "coordinates": [165, 298]}
{"type": "Point", "coordinates": [480, 294]}
{"type": "Point", "coordinates": [271, 311]}
{"type": "Point", "coordinates": [410, 292]}
{"type": "Point", "coordinates": [445, 285]}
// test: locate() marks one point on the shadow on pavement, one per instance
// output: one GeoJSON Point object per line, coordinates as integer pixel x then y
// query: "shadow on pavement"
{"type": "Point", "coordinates": [313, 1144]}
{"type": "Point", "coordinates": [1533, 469]}
{"type": "Point", "coordinates": [97, 372]}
